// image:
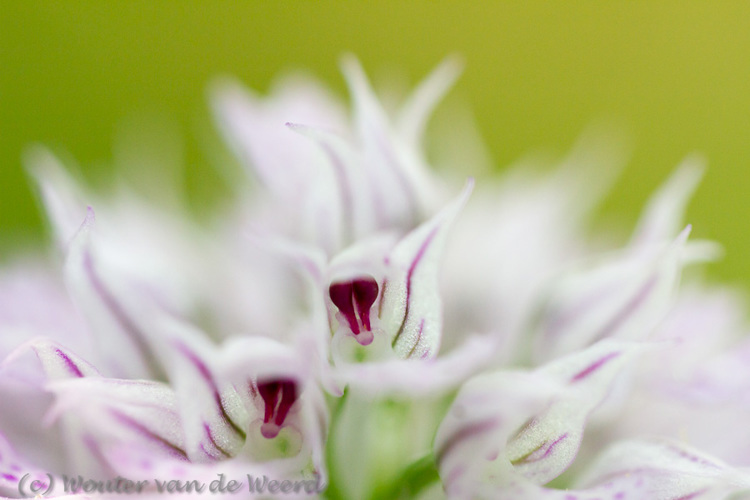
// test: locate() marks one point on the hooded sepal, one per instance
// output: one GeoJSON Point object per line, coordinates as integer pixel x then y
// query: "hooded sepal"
{"type": "Point", "coordinates": [623, 296]}
{"type": "Point", "coordinates": [403, 188]}
{"type": "Point", "coordinates": [213, 416]}
{"type": "Point", "coordinates": [639, 469]}
{"type": "Point", "coordinates": [410, 304]}
{"type": "Point", "coordinates": [528, 425]}
{"type": "Point", "coordinates": [92, 285]}
{"type": "Point", "coordinates": [277, 385]}
{"type": "Point", "coordinates": [136, 414]}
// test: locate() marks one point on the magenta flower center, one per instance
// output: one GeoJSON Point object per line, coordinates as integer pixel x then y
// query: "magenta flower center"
{"type": "Point", "coordinates": [354, 299]}
{"type": "Point", "coordinates": [278, 397]}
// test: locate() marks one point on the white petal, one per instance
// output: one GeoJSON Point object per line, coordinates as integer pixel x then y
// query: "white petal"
{"type": "Point", "coordinates": [255, 128]}
{"type": "Point", "coordinates": [63, 200]}
{"type": "Point", "coordinates": [549, 442]}
{"type": "Point", "coordinates": [402, 185]}
{"type": "Point", "coordinates": [213, 416]}
{"type": "Point", "coordinates": [57, 361]}
{"type": "Point", "coordinates": [415, 112]}
{"type": "Point", "coordinates": [118, 413]}
{"type": "Point", "coordinates": [411, 305]}
{"type": "Point", "coordinates": [348, 194]}
{"type": "Point", "coordinates": [505, 425]}
{"type": "Point", "coordinates": [635, 470]}
{"type": "Point", "coordinates": [419, 377]}
{"type": "Point", "coordinates": [663, 215]}
{"type": "Point", "coordinates": [125, 348]}
{"type": "Point", "coordinates": [470, 442]}
{"type": "Point", "coordinates": [623, 297]}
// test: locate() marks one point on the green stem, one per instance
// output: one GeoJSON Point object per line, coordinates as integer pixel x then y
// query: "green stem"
{"type": "Point", "coordinates": [333, 492]}
{"type": "Point", "coordinates": [414, 478]}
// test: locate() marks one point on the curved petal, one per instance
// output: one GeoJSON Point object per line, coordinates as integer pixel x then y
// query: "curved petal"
{"type": "Point", "coordinates": [411, 305]}
{"type": "Point", "coordinates": [419, 377]}
{"type": "Point", "coordinates": [505, 425]}
{"type": "Point", "coordinates": [623, 297]}
{"type": "Point", "coordinates": [134, 413]}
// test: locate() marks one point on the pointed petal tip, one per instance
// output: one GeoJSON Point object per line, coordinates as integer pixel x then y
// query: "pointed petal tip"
{"type": "Point", "coordinates": [683, 236]}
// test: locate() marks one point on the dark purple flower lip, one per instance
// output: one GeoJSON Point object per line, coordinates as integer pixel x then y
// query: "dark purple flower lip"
{"type": "Point", "coordinates": [354, 299]}
{"type": "Point", "coordinates": [279, 395]}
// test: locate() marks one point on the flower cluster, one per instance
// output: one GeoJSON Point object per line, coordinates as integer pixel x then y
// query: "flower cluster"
{"type": "Point", "coordinates": [300, 336]}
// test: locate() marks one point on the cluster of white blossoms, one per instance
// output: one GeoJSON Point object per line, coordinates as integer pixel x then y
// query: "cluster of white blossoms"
{"type": "Point", "coordinates": [299, 338]}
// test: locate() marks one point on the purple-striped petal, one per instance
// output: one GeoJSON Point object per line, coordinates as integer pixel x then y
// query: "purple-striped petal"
{"type": "Point", "coordinates": [212, 414]}
{"type": "Point", "coordinates": [419, 377]}
{"type": "Point", "coordinates": [622, 297]}
{"type": "Point", "coordinates": [526, 425]}
{"type": "Point", "coordinates": [410, 303]}
{"type": "Point", "coordinates": [638, 470]}
{"type": "Point", "coordinates": [549, 442]}
{"type": "Point", "coordinates": [57, 361]}
{"type": "Point", "coordinates": [91, 283]}
{"type": "Point", "coordinates": [663, 215]}
{"type": "Point", "coordinates": [136, 414]}
{"type": "Point", "coordinates": [403, 187]}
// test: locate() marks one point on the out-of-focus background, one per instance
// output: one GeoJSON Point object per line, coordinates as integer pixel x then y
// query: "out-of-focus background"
{"type": "Point", "coordinates": [675, 75]}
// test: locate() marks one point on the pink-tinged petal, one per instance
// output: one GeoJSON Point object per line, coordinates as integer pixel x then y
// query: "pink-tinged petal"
{"type": "Point", "coordinates": [623, 297]}
{"type": "Point", "coordinates": [126, 349]}
{"type": "Point", "coordinates": [57, 361]}
{"type": "Point", "coordinates": [663, 215]}
{"type": "Point", "coordinates": [419, 377]}
{"type": "Point", "coordinates": [410, 303]}
{"type": "Point", "coordinates": [304, 186]}
{"type": "Point", "coordinates": [33, 303]}
{"type": "Point", "coordinates": [638, 470]}
{"type": "Point", "coordinates": [530, 225]}
{"type": "Point", "coordinates": [255, 128]}
{"type": "Point", "coordinates": [347, 184]}
{"type": "Point", "coordinates": [212, 414]}
{"type": "Point", "coordinates": [277, 382]}
{"type": "Point", "coordinates": [470, 442]}
{"type": "Point", "coordinates": [549, 442]}
{"type": "Point", "coordinates": [524, 425]}
{"type": "Point", "coordinates": [416, 110]}
{"type": "Point", "coordinates": [13, 468]}
{"type": "Point", "coordinates": [635, 470]}
{"type": "Point", "coordinates": [137, 413]}
{"type": "Point", "coordinates": [63, 200]}
{"type": "Point", "coordinates": [403, 189]}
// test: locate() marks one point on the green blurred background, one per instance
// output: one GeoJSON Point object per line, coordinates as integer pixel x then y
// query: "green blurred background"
{"type": "Point", "coordinates": [674, 74]}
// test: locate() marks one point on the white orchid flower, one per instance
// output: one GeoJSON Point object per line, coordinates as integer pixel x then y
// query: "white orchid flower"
{"type": "Point", "coordinates": [363, 327]}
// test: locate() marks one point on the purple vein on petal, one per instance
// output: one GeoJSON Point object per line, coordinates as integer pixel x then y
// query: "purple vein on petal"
{"type": "Point", "coordinates": [691, 496]}
{"type": "Point", "coordinates": [149, 434]}
{"type": "Point", "coordinates": [463, 433]}
{"type": "Point", "coordinates": [216, 445]}
{"type": "Point", "coordinates": [594, 367]}
{"type": "Point", "coordinates": [382, 294]}
{"type": "Point", "coordinates": [638, 299]}
{"type": "Point", "coordinates": [532, 455]}
{"type": "Point", "coordinates": [208, 378]}
{"type": "Point", "coordinates": [397, 170]}
{"type": "Point", "coordinates": [409, 274]}
{"type": "Point", "coordinates": [131, 329]}
{"type": "Point", "coordinates": [418, 339]}
{"type": "Point", "coordinates": [93, 446]}
{"type": "Point", "coordinates": [342, 180]}
{"type": "Point", "coordinates": [69, 364]}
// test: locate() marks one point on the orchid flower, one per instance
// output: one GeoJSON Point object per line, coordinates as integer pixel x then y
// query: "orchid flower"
{"type": "Point", "coordinates": [357, 321]}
